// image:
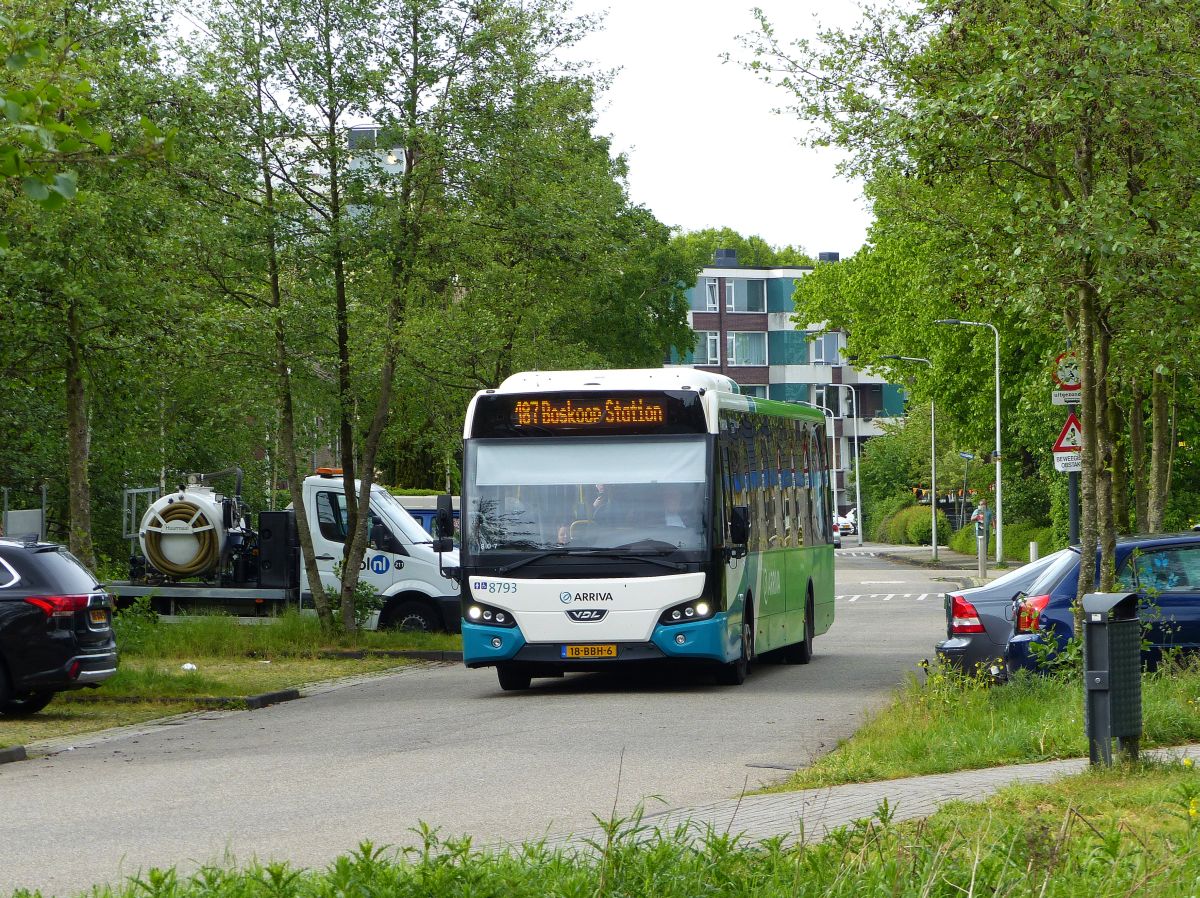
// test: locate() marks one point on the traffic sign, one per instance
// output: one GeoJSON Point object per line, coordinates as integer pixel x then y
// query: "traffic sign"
{"type": "Point", "coordinates": [1066, 370]}
{"type": "Point", "coordinates": [1068, 461]}
{"type": "Point", "coordinates": [1065, 397]}
{"type": "Point", "coordinates": [1071, 438]}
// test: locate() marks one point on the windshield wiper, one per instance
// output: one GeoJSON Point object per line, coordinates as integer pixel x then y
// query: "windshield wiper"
{"type": "Point", "coordinates": [648, 557]}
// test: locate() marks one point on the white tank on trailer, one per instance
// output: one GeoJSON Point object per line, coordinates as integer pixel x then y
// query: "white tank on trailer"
{"type": "Point", "coordinates": [182, 534]}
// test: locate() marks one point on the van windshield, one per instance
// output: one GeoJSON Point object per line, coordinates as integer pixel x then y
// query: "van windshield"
{"type": "Point", "coordinates": [397, 516]}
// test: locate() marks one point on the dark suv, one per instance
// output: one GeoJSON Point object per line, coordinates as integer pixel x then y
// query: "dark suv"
{"type": "Point", "coordinates": [55, 626]}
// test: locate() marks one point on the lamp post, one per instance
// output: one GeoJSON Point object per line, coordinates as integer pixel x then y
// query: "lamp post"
{"type": "Point", "coordinates": [933, 500]}
{"type": "Point", "coordinates": [832, 474]}
{"type": "Point", "coordinates": [996, 453]}
{"type": "Point", "coordinates": [858, 514]}
{"type": "Point", "coordinates": [967, 458]}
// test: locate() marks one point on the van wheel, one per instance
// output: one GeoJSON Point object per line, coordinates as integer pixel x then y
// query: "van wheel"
{"type": "Point", "coordinates": [413, 615]}
{"type": "Point", "coordinates": [734, 673]}
{"type": "Point", "coordinates": [802, 652]}
{"type": "Point", "coordinates": [512, 678]}
{"type": "Point", "coordinates": [23, 706]}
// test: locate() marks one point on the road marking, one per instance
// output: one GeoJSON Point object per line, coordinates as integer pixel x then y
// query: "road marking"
{"type": "Point", "coordinates": [852, 598]}
{"type": "Point", "coordinates": [888, 597]}
{"type": "Point", "coordinates": [921, 597]}
{"type": "Point", "coordinates": [880, 582]}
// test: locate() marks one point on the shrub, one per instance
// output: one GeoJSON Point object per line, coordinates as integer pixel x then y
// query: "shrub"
{"type": "Point", "coordinates": [919, 528]}
{"type": "Point", "coordinates": [885, 511]}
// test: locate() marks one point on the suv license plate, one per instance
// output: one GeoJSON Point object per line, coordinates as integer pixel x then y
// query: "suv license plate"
{"type": "Point", "coordinates": [607, 650]}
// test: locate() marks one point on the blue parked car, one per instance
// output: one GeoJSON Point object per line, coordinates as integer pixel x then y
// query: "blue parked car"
{"type": "Point", "coordinates": [1163, 569]}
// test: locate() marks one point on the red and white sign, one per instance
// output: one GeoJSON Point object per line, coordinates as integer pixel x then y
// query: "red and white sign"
{"type": "Point", "coordinates": [1071, 438]}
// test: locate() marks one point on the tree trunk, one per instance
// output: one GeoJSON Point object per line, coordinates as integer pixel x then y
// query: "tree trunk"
{"type": "Point", "coordinates": [1120, 466]}
{"type": "Point", "coordinates": [1160, 454]}
{"type": "Point", "coordinates": [79, 491]}
{"type": "Point", "coordinates": [1104, 464]}
{"type": "Point", "coordinates": [283, 376]}
{"type": "Point", "coordinates": [1088, 526]}
{"type": "Point", "coordinates": [1137, 448]}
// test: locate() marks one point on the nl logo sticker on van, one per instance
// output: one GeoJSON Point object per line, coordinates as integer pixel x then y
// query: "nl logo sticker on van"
{"type": "Point", "coordinates": [380, 564]}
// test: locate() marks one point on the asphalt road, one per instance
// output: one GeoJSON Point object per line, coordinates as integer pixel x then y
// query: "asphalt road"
{"type": "Point", "coordinates": [308, 780]}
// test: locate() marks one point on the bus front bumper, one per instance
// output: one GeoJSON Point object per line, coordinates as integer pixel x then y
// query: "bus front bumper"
{"type": "Point", "coordinates": [705, 640]}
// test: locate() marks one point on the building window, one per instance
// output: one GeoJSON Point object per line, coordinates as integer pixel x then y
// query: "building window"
{"type": "Point", "coordinates": [816, 349]}
{"type": "Point", "coordinates": [752, 299]}
{"type": "Point", "coordinates": [758, 391]}
{"type": "Point", "coordinates": [746, 348]}
{"type": "Point", "coordinates": [819, 395]}
{"type": "Point", "coordinates": [710, 300]}
{"type": "Point", "coordinates": [708, 348]}
{"type": "Point", "coordinates": [756, 296]}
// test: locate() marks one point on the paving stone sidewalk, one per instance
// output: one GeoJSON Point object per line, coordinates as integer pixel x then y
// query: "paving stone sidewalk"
{"type": "Point", "coordinates": [813, 813]}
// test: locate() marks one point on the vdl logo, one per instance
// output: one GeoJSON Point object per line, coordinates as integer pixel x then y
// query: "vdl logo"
{"type": "Point", "coordinates": [380, 564]}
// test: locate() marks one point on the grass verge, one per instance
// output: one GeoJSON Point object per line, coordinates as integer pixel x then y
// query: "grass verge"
{"type": "Point", "coordinates": [1129, 831]}
{"type": "Point", "coordinates": [231, 660]}
{"type": "Point", "coordinates": [957, 722]}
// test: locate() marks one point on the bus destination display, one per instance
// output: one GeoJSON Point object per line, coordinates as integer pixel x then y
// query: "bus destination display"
{"type": "Point", "coordinates": [577, 413]}
{"type": "Point", "coordinates": [605, 412]}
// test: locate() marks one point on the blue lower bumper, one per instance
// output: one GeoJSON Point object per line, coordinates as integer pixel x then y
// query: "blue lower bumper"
{"type": "Point", "coordinates": [702, 640]}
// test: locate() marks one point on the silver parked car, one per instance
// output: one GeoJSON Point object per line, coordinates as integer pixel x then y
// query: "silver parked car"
{"type": "Point", "coordinates": [979, 620]}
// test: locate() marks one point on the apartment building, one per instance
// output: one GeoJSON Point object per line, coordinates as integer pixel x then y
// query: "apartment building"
{"type": "Point", "coordinates": [742, 318]}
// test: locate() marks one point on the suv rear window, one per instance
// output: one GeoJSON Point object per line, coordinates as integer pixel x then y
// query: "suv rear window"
{"type": "Point", "coordinates": [48, 570]}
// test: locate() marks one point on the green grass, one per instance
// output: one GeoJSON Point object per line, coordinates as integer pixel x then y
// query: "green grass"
{"type": "Point", "coordinates": [141, 634]}
{"type": "Point", "coordinates": [955, 722]}
{"type": "Point", "coordinates": [1124, 832]}
{"type": "Point", "coordinates": [232, 660]}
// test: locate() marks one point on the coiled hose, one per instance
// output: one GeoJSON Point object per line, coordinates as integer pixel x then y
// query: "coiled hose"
{"type": "Point", "coordinates": [205, 532]}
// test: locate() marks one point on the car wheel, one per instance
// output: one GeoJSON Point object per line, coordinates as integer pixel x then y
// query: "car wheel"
{"type": "Point", "coordinates": [734, 673]}
{"type": "Point", "coordinates": [23, 706]}
{"type": "Point", "coordinates": [512, 678]}
{"type": "Point", "coordinates": [413, 615]}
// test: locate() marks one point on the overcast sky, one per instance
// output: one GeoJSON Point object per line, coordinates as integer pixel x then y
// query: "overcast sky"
{"type": "Point", "coordinates": [705, 150]}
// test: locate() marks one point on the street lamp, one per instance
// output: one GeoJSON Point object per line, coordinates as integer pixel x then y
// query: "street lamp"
{"type": "Point", "coordinates": [933, 503]}
{"type": "Point", "coordinates": [833, 473]}
{"type": "Point", "coordinates": [858, 514]}
{"type": "Point", "coordinates": [967, 458]}
{"type": "Point", "coordinates": [996, 453]}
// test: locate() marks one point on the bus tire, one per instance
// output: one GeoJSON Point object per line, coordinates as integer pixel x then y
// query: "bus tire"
{"type": "Point", "coordinates": [413, 614]}
{"type": "Point", "coordinates": [512, 678]}
{"type": "Point", "coordinates": [802, 652]}
{"type": "Point", "coordinates": [734, 673]}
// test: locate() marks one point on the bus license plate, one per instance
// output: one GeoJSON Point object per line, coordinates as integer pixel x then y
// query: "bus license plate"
{"type": "Point", "coordinates": [589, 651]}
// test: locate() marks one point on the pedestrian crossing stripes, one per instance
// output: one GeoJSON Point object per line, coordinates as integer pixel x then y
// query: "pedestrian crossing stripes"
{"type": "Point", "coordinates": [847, 553]}
{"type": "Point", "coordinates": [887, 596]}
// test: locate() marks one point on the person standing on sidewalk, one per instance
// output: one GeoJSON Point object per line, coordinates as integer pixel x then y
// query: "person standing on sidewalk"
{"type": "Point", "coordinates": [982, 516]}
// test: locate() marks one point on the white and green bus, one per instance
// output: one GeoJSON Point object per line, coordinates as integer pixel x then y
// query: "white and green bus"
{"type": "Point", "coordinates": [641, 516]}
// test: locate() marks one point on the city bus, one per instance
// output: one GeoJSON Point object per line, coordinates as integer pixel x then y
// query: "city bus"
{"type": "Point", "coordinates": [641, 516]}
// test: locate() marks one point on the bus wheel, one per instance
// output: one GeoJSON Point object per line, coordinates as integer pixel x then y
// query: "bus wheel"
{"type": "Point", "coordinates": [734, 673]}
{"type": "Point", "coordinates": [512, 678]}
{"type": "Point", "coordinates": [802, 652]}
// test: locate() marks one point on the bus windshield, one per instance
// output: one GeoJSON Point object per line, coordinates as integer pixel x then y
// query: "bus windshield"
{"type": "Point", "coordinates": [635, 494]}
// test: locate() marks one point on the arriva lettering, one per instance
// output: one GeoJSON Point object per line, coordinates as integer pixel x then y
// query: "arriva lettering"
{"type": "Point", "coordinates": [593, 597]}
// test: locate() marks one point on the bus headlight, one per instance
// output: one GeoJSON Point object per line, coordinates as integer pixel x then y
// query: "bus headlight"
{"type": "Point", "coordinates": [479, 613]}
{"type": "Point", "coordinates": [687, 612]}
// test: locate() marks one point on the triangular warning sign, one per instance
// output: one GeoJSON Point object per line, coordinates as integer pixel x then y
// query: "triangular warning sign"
{"type": "Point", "coordinates": [1071, 438]}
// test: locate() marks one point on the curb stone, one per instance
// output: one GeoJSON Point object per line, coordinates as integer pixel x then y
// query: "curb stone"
{"type": "Point", "coordinates": [12, 753]}
{"type": "Point", "coordinates": [254, 702]}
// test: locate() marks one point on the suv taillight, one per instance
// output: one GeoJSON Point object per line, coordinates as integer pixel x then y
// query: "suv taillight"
{"type": "Point", "coordinates": [963, 616]}
{"type": "Point", "coordinates": [59, 606]}
{"type": "Point", "coordinates": [1029, 609]}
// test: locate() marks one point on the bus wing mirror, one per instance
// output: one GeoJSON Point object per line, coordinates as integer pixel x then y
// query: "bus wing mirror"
{"type": "Point", "coordinates": [739, 525]}
{"type": "Point", "coordinates": [445, 523]}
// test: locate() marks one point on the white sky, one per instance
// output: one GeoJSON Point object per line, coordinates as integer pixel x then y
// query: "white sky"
{"type": "Point", "coordinates": [704, 148]}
